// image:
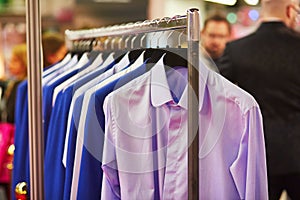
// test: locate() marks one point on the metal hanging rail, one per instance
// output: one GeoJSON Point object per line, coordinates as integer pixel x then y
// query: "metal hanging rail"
{"type": "Point", "coordinates": [191, 22]}
{"type": "Point", "coordinates": [165, 24]}
{"type": "Point", "coordinates": [33, 17]}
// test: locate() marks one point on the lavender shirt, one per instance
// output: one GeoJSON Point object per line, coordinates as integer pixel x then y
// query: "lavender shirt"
{"type": "Point", "coordinates": [232, 158]}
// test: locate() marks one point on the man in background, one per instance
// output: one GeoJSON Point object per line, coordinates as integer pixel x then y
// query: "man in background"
{"type": "Point", "coordinates": [215, 34]}
{"type": "Point", "coordinates": [54, 48]}
{"type": "Point", "coordinates": [267, 65]}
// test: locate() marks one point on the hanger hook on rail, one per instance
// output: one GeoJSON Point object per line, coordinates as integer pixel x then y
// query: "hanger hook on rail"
{"type": "Point", "coordinates": [151, 39]}
{"type": "Point", "coordinates": [144, 35]}
{"type": "Point", "coordinates": [179, 39]}
{"type": "Point", "coordinates": [168, 37]}
{"type": "Point", "coordinates": [113, 43]}
{"type": "Point", "coordinates": [132, 41]}
{"type": "Point", "coordinates": [106, 42]}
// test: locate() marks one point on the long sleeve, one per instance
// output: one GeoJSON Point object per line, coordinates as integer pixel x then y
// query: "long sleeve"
{"type": "Point", "coordinates": [249, 169]}
{"type": "Point", "coordinates": [110, 185]}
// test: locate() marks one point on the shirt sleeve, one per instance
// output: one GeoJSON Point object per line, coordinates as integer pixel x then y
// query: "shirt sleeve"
{"type": "Point", "coordinates": [110, 183]}
{"type": "Point", "coordinates": [249, 170]}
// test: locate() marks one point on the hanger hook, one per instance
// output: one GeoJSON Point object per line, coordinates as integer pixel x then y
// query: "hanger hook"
{"type": "Point", "coordinates": [113, 43]}
{"type": "Point", "coordinates": [142, 40]}
{"type": "Point", "coordinates": [137, 25]}
{"type": "Point", "coordinates": [106, 43]}
{"type": "Point", "coordinates": [144, 35]}
{"type": "Point", "coordinates": [120, 42]}
{"type": "Point", "coordinates": [150, 41]}
{"type": "Point", "coordinates": [126, 41]}
{"type": "Point", "coordinates": [87, 45]}
{"type": "Point", "coordinates": [168, 37]}
{"type": "Point", "coordinates": [81, 45]}
{"type": "Point", "coordinates": [132, 41]}
{"type": "Point", "coordinates": [179, 39]}
{"type": "Point", "coordinates": [75, 44]}
{"type": "Point", "coordinates": [94, 44]}
{"type": "Point", "coordinates": [97, 44]}
{"type": "Point", "coordinates": [158, 38]}
{"type": "Point", "coordinates": [165, 19]}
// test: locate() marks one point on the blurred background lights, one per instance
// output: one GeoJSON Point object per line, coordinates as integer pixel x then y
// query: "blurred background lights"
{"type": "Point", "coordinates": [224, 2]}
{"type": "Point", "coordinates": [252, 2]}
{"type": "Point", "coordinates": [253, 15]}
{"type": "Point", "coordinates": [231, 17]}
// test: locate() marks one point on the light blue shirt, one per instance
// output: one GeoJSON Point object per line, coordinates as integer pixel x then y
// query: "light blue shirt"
{"type": "Point", "coordinates": [232, 158]}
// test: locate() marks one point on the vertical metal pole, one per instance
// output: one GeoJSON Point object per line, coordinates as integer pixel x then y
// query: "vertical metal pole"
{"type": "Point", "coordinates": [36, 139]}
{"type": "Point", "coordinates": [193, 27]}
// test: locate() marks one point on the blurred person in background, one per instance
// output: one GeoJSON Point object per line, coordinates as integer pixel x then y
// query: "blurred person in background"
{"type": "Point", "coordinates": [215, 34]}
{"type": "Point", "coordinates": [266, 63]}
{"type": "Point", "coordinates": [17, 68]}
{"type": "Point", "coordinates": [54, 48]}
{"type": "Point", "coordinates": [18, 72]}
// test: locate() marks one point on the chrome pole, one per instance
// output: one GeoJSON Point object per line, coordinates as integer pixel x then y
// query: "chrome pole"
{"type": "Point", "coordinates": [36, 137]}
{"type": "Point", "coordinates": [193, 27]}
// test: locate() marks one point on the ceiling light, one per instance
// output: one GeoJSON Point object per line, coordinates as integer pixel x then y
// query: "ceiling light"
{"type": "Point", "coordinates": [252, 2]}
{"type": "Point", "coordinates": [224, 2]}
{"type": "Point", "coordinates": [112, 1]}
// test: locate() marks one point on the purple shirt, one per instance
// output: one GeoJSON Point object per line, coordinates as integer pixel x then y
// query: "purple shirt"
{"type": "Point", "coordinates": [232, 159]}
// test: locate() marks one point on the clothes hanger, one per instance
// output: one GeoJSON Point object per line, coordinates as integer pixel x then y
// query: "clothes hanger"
{"type": "Point", "coordinates": [142, 41]}
{"type": "Point", "coordinates": [174, 56]}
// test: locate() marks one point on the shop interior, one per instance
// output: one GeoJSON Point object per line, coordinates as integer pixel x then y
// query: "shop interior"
{"type": "Point", "coordinates": [83, 14]}
{"type": "Point", "coordinates": [59, 16]}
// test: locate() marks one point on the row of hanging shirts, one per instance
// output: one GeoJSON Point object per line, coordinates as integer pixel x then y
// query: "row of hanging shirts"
{"type": "Point", "coordinates": [115, 126]}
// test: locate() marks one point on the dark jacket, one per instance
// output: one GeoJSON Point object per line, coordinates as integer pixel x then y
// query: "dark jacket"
{"type": "Point", "coordinates": [8, 100]}
{"type": "Point", "coordinates": [267, 65]}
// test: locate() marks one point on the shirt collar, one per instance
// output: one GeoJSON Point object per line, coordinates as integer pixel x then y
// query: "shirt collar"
{"type": "Point", "coordinates": [160, 90]}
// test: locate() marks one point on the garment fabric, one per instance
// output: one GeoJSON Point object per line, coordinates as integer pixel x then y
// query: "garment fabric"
{"type": "Point", "coordinates": [72, 123]}
{"type": "Point", "coordinates": [80, 188]}
{"type": "Point", "coordinates": [156, 114]}
{"type": "Point", "coordinates": [74, 152]}
{"type": "Point", "coordinates": [93, 138]}
{"type": "Point", "coordinates": [20, 172]}
{"type": "Point", "coordinates": [209, 62]}
{"type": "Point", "coordinates": [55, 176]}
{"type": "Point", "coordinates": [21, 154]}
{"type": "Point", "coordinates": [266, 64]}
{"type": "Point", "coordinates": [108, 62]}
{"type": "Point", "coordinates": [232, 162]}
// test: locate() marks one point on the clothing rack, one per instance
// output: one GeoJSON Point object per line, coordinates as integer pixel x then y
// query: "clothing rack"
{"type": "Point", "coordinates": [191, 22]}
